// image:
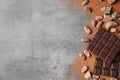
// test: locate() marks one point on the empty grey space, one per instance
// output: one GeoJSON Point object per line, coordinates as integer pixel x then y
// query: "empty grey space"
{"type": "Point", "coordinates": [39, 39]}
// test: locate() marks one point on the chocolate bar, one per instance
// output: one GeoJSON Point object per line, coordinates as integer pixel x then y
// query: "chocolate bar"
{"type": "Point", "coordinates": [104, 44]}
{"type": "Point", "coordinates": [106, 47]}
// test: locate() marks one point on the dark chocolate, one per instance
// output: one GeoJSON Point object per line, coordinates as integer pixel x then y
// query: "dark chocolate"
{"type": "Point", "coordinates": [106, 47]}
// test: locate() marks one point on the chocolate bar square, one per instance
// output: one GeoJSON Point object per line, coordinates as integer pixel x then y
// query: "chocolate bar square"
{"type": "Point", "coordinates": [115, 49]}
{"type": "Point", "coordinates": [93, 42]}
{"type": "Point", "coordinates": [105, 50]}
{"type": "Point", "coordinates": [103, 40]}
{"type": "Point", "coordinates": [96, 51]}
{"type": "Point", "coordinates": [97, 71]}
{"type": "Point", "coordinates": [115, 66]}
{"type": "Point", "coordinates": [109, 44]}
{"type": "Point", "coordinates": [98, 63]}
{"type": "Point", "coordinates": [97, 37]}
{"type": "Point", "coordinates": [101, 56]}
{"type": "Point", "coordinates": [101, 31]}
{"type": "Point", "coordinates": [113, 39]}
{"type": "Point", "coordinates": [90, 48]}
{"type": "Point", "coordinates": [107, 35]}
{"type": "Point", "coordinates": [118, 43]}
{"type": "Point", "coordinates": [99, 46]}
{"type": "Point", "coordinates": [105, 72]}
{"type": "Point", "coordinates": [114, 73]}
{"type": "Point", "coordinates": [106, 65]}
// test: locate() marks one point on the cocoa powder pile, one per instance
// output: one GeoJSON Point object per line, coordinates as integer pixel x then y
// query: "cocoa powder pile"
{"type": "Point", "coordinates": [106, 14]}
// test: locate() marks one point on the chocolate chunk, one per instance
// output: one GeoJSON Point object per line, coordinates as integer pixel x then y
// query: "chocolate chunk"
{"type": "Point", "coordinates": [106, 65]}
{"type": "Point", "coordinates": [97, 71]}
{"type": "Point", "coordinates": [114, 73]}
{"type": "Point", "coordinates": [114, 66]}
{"type": "Point", "coordinates": [98, 62]}
{"type": "Point", "coordinates": [105, 72]}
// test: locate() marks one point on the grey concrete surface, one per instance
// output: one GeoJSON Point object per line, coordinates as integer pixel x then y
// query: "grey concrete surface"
{"type": "Point", "coordinates": [38, 39]}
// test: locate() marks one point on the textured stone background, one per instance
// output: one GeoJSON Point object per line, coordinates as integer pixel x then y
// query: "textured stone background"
{"type": "Point", "coordinates": [38, 39]}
